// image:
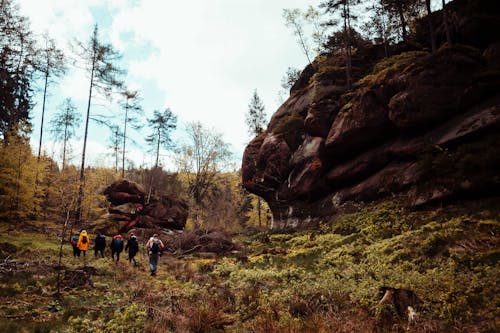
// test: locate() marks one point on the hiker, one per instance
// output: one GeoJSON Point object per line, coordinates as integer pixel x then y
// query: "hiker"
{"type": "Point", "coordinates": [74, 243]}
{"type": "Point", "coordinates": [116, 247]}
{"type": "Point", "coordinates": [132, 247]}
{"type": "Point", "coordinates": [100, 244]}
{"type": "Point", "coordinates": [83, 242]}
{"type": "Point", "coordinates": [154, 247]}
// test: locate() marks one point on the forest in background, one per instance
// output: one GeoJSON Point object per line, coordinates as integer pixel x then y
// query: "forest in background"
{"type": "Point", "coordinates": [34, 185]}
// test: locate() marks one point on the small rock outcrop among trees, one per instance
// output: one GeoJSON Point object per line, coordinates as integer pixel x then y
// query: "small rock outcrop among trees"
{"type": "Point", "coordinates": [128, 210]}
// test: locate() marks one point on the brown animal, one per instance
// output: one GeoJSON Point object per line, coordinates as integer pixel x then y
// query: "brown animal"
{"type": "Point", "coordinates": [405, 301]}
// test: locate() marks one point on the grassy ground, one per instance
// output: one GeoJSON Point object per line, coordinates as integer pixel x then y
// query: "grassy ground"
{"type": "Point", "coordinates": [326, 280]}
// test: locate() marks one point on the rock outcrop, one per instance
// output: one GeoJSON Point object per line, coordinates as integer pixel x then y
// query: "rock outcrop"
{"type": "Point", "coordinates": [128, 210]}
{"type": "Point", "coordinates": [419, 126]}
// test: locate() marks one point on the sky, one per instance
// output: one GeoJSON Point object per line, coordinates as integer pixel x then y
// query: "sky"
{"type": "Point", "coordinates": [201, 58]}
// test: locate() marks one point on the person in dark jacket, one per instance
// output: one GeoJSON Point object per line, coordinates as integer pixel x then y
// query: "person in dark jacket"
{"type": "Point", "coordinates": [100, 244]}
{"type": "Point", "coordinates": [116, 247]}
{"type": "Point", "coordinates": [132, 247]}
{"type": "Point", "coordinates": [154, 247]}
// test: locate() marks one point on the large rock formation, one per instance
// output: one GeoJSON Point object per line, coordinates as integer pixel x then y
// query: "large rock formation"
{"type": "Point", "coordinates": [418, 126]}
{"type": "Point", "coordinates": [128, 210]}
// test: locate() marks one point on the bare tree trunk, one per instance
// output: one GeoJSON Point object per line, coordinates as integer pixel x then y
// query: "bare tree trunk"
{"type": "Point", "coordinates": [58, 293]}
{"type": "Point", "coordinates": [384, 34]}
{"type": "Point", "coordinates": [304, 46]}
{"type": "Point", "coordinates": [82, 168]}
{"type": "Point", "coordinates": [347, 45]}
{"type": "Point", "coordinates": [43, 113]}
{"type": "Point", "coordinates": [124, 139]}
{"type": "Point", "coordinates": [431, 26]}
{"type": "Point", "coordinates": [116, 159]}
{"type": "Point", "coordinates": [446, 27]}
{"type": "Point", "coordinates": [18, 181]}
{"type": "Point", "coordinates": [402, 19]}
{"type": "Point", "coordinates": [64, 146]}
{"type": "Point", "coordinates": [156, 166]}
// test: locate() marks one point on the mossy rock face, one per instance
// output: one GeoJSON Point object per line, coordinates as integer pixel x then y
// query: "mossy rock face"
{"type": "Point", "coordinates": [105, 226]}
{"type": "Point", "coordinates": [396, 62]}
{"type": "Point", "coordinates": [377, 135]}
{"type": "Point", "coordinates": [291, 128]}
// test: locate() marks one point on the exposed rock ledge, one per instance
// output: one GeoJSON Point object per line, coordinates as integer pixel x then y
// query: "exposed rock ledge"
{"type": "Point", "coordinates": [421, 127]}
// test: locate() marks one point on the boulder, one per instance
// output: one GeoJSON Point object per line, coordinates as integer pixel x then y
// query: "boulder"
{"type": "Point", "coordinates": [128, 210]}
{"type": "Point", "coordinates": [124, 191]}
{"type": "Point", "coordinates": [166, 212]}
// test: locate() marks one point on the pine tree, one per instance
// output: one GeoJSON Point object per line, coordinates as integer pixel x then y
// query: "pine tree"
{"type": "Point", "coordinates": [63, 126]}
{"type": "Point", "coordinates": [53, 65]}
{"type": "Point", "coordinates": [99, 60]}
{"type": "Point", "coordinates": [132, 110]}
{"type": "Point", "coordinates": [344, 9]}
{"type": "Point", "coordinates": [256, 116]}
{"type": "Point", "coordinates": [19, 63]}
{"type": "Point", "coordinates": [162, 124]}
{"type": "Point", "coordinates": [115, 139]}
{"type": "Point", "coordinates": [255, 119]}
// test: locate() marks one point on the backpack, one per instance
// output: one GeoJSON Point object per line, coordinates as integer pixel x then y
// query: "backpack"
{"type": "Point", "coordinates": [74, 240]}
{"type": "Point", "coordinates": [155, 247]}
{"type": "Point", "coordinates": [118, 242]}
{"type": "Point", "coordinates": [84, 239]}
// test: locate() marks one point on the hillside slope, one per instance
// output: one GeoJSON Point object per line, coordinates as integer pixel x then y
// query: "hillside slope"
{"type": "Point", "coordinates": [329, 280]}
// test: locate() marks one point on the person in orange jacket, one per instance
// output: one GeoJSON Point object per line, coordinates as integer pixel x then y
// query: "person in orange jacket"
{"type": "Point", "coordinates": [83, 242]}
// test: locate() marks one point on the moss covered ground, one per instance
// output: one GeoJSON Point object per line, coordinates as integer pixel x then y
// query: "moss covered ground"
{"type": "Point", "coordinates": [324, 280]}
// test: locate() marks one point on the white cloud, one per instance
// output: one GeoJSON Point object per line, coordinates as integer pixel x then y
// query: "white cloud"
{"type": "Point", "coordinates": [203, 59]}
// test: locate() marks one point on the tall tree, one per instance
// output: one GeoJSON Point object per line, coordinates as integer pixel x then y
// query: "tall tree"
{"type": "Point", "coordinates": [402, 9]}
{"type": "Point", "coordinates": [202, 159]}
{"type": "Point", "coordinates": [319, 30]}
{"type": "Point", "coordinates": [115, 140]}
{"type": "Point", "coordinates": [294, 20]}
{"type": "Point", "coordinates": [431, 26]}
{"type": "Point", "coordinates": [445, 22]}
{"type": "Point", "coordinates": [64, 124]}
{"type": "Point", "coordinates": [99, 60]}
{"type": "Point", "coordinates": [132, 110]}
{"type": "Point", "coordinates": [343, 8]}
{"type": "Point", "coordinates": [255, 119]}
{"type": "Point", "coordinates": [379, 27]}
{"type": "Point", "coordinates": [256, 116]}
{"type": "Point", "coordinates": [162, 125]}
{"type": "Point", "coordinates": [53, 64]}
{"type": "Point", "coordinates": [19, 63]}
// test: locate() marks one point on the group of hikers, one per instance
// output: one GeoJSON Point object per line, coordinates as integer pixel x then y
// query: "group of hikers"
{"type": "Point", "coordinates": [154, 246]}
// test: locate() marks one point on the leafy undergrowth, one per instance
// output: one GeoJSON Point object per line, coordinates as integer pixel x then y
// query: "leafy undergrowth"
{"type": "Point", "coordinates": [327, 280]}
